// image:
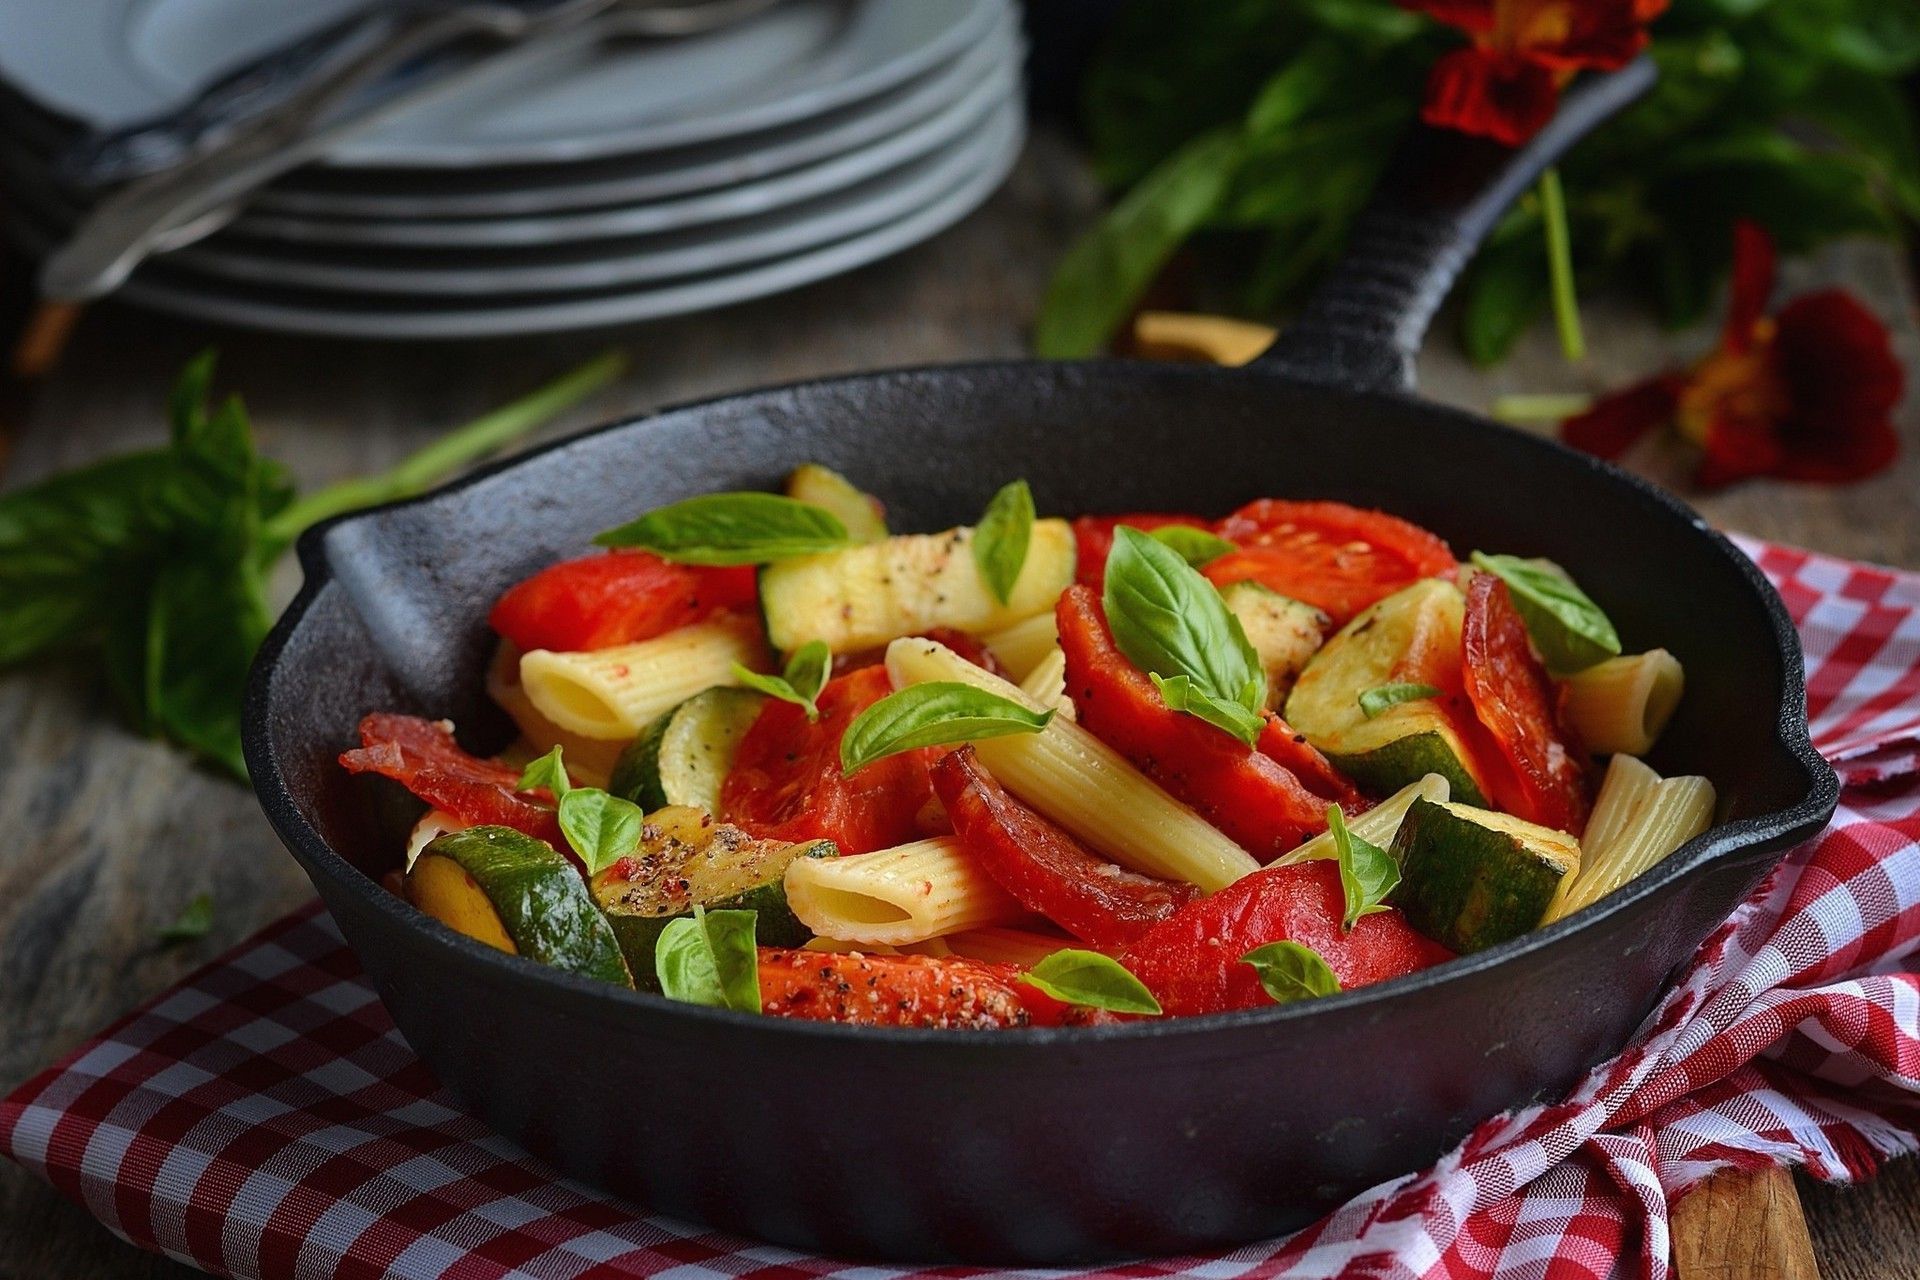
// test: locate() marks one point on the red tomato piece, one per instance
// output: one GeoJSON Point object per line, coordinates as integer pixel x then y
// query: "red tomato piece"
{"type": "Point", "coordinates": [948, 992]}
{"type": "Point", "coordinates": [1333, 556]}
{"type": "Point", "coordinates": [1093, 537]}
{"type": "Point", "coordinates": [1046, 869]}
{"type": "Point", "coordinates": [786, 785]}
{"type": "Point", "coordinates": [1548, 778]}
{"type": "Point", "coordinates": [614, 597]}
{"type": "Point", "coordinates": [422, 756]}
{"type": "Point", "coordinates": [959, 641]}
{"type": "Point", "coordinates": [1253, 798]}
{"type": "Point", "coordinates": [1192, 963]}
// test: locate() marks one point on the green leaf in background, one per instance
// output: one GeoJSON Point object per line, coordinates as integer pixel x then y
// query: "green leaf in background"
{"type": "Point", "coordinates": [1384, 697]}
{"type": "Point", "coordinates": [1091, 980]}
{"type": "Point", "coordinates": [710, 959]}
{"type": "Point", "coordinates": [1368, 873]}
{"type": "Point", "coordinates": [1001, 537]}
{"type": "Point", "coordinates": [935, 714]}
{"type": "Point", "coordinates": [153, 564]}
{"type": "Point", "coordinates": [1290, 971]}
{"type": "Point", "coordinates": [732, 529]}
{"type": "Point", "coordinates": [1571, 632]}
{"type": "Point", "coordinates": [1196, 546]}
{"type": "Point", "coordinates": [193, 923]}
{"type": "Point", "coordinates": [805, 675]}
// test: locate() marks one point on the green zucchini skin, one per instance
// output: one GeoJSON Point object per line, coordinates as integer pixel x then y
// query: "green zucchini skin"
{"type": "Point", "coordinates": [1471, 878]}
{"type": "Point", "coordinates": [1387, 768]}
{"type": "Point", "coordinates": [541, 900]}
{"type": "Point", "coordinates": [685, 754]}
{"type": "Point", "coordinates": [728, 870]}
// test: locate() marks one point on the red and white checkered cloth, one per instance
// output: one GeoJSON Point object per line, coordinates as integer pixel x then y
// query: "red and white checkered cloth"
{"type": "Point", "coordinates": [264, 1119]}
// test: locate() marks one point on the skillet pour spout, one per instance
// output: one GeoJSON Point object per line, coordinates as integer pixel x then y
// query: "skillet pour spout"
{"type": "Point", "coordinates": [1054, 1146]}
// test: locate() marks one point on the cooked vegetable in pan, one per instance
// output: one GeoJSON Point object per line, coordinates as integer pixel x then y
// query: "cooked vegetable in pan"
{"type": "Point", "coordinates": [1032, 771]}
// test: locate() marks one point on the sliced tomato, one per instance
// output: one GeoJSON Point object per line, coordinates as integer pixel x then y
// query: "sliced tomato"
{"type": "Point", "coordinates": [614, 597]}
{"type": "Point", "coordinates": [1046, 869]}
{"type": "Point", "coordinates": [785, 783]}
{"type": "Point", "coordinates": [1093, 537]}
{"type": "Point", "coordinates": [1548, 777]}
{"type": "Point", "coordinates": [1333, 556]}
{"type": "Point", "coordinates": [1192, 963]}
{"type": "Point", "coordinates": [890, 991]}
{"type": "Point", "coordinates": [1292, 752]}
{"type": "Point", "coordinates": [1256, 800]}
{"type": "Point", "coordinates": [959, 641]}
{"type": "Point", "coordinates": [422, 756]}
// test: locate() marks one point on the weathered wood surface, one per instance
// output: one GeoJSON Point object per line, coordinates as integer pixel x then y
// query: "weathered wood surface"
{"type": "Point", "coordinates": [108, 836]}
{"type": "Point", "coordinates": [1742, 1225]}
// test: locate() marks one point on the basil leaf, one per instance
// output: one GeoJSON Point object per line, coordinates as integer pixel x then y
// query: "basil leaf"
{"type": "Point", "coordinates": [602, 828]}
{"type": "Point", "coordinates": [1289, 971]}
{"type": "Point", "coordinates": [193, 922]}
{"type": "Point", "coordinates": [1171, 623]}
{"type": "Point", "coordinates": [549, 771]}
{"type": "Point", "coordinates": [1384, 697]}
{"type": "Point", "coordinates": [1000, 539]}
{"type": "Point", "coordinates": [1368, 873]}
{"type": "Point", "coordinates": [934, 714]}
{"type": "Point", "coordinates": [732, 528]}
{"type": "Point", "coordinates": [801, 682]}
{"type": "Point", "coordinates": [1567, 627]}
{"type": "Point", "coordinates": [710, 959]}
{"type": "Point", "coordinates": [1196, 546]}
{"type": "Point", "coordinates": [1093, 980]}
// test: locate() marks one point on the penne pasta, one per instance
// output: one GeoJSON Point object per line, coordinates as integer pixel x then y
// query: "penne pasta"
{"type": "Point", "coordinates": [1046, 684]}
{"type": "Point", "coordinates": [1020, 647]}
{"type": "Point", "coordinates": [1623, 704]}
{"type": "Point", "coordinates": [1377, 825]}
{"type": "Point", "coordinates": [1664, 817]}
{"type": "Point", "coordinates": [590, 761]}
{"type": "Point", "coordinates": [897, 896]}
{"type": "Point", "coordinates": [1083, 784]}
{"type": "Point", "coordinates": [1623, 793]}
{"type": "Point", "coordinates": [612, 694]}
{"type": "Point", "coordinates": [1001, 945]}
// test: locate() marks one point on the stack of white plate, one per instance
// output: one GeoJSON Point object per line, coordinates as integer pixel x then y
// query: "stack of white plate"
{"type": "Point", "coordinates": [595, 181]}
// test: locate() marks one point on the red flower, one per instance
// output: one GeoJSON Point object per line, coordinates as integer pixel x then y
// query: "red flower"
{"type": "Point", "coordinates": [1506, 84]}
{"type": "Point", "coordinates": [1805, 394]}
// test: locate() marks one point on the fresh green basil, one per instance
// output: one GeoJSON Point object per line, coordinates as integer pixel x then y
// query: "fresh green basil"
{"type": "Point", "coordinates": [1093, 980]}
{"type": "Point", "coordinates": [1196, 546]}
{"type": "Point", "coordinates": [1566, 626]}
{"type": "Point", "coordinates": [1368, 873]}
{"type": "Point", "coordinates": [192, 924]}
{"type": "Point", "coordinates": [731, 529]}
{"type": "Point", "coordinates": [801, 682]}
{"type": "Point", "coordinates": [549, 771]}
{"type": "Point", "coordinates": [1001, 537]}
{"type": "Point", "coordinates": [1171, 623]}
{"type": "Point", "coordinates": [1290, 971]}
{"type": "Point", "coordinates": [710, 959]}
{"type": "Point", "coordinates": [1384, 697]}
{"type": "Point", "coordinates": [934, 714]}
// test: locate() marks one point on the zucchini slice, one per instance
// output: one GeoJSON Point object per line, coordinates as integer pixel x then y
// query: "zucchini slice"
{"type": "Point", "coordinates": [1286, 633]}
{"type": "Point", "coordinates": [862, 597]}
{"type": "Point", "coordinates": [516, 893]}
{"type": "Point", "coordinates": [1406, 742]}
{"type": "Point", "coordinates": [827, 489]}
{"type": "Point", "coordinates": [1470, 878]}
{"type": "Point", "coordinates": [683, 757]}
{"type": "Point", "coordinates": [685, 857]}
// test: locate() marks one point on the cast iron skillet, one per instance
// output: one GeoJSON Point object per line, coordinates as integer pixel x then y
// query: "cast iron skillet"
{"type": "Point", "coordinates": [1048, 1146]}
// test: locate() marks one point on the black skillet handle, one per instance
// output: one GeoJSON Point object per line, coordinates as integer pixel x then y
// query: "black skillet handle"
{"type": "Point", "coordinates": [1443, 193]}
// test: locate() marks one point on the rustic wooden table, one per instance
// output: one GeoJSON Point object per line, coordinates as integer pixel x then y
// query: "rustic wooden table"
{"type": "Point", "coordinates": [109, 836]}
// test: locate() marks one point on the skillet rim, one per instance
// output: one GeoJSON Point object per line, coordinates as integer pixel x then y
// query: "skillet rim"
{"type": "Point", "coordinates": [1758, 835]}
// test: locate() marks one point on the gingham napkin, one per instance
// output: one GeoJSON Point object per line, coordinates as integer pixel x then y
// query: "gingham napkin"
{"type": "Point", "coordinates": [264, 1119]}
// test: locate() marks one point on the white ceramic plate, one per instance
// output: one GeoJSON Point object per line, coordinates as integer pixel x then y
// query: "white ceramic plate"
{"type": "Point", "coordinates": [315, 314]}
{"type": "Point", "coordinates": [109, 63]}
{"type": "Point", "coordinates": [517, 192]}
{"type": "Point", "coordinates": [606, 264]}
{"type": "Point", "coordinates": [705, 209]}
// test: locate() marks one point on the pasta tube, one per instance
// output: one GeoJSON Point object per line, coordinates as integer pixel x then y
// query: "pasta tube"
{"type": "Point", "coordinates": [1020, 647]}
{"type": "Point", "coordinates": [1046, 684]}
{"type": "Point", "coordinates": [1377, 825]}
{"type": "Point", "coordinates": [614, 693]}
{"type": "Point", "coordinates": [1623, 704]}
{"type": "Point", "coordinates": [897, 896]}
{"type": "Point", "coordinates": [1668, 814]}
{"type": "Point", "coordinates": [434, 822]}
{"type": "Point", "coordinates": [590, 761]}
{"type": "Point", "coordinates": [1000, 945]}
{"type": "Point", "coordinates": [1083, 784]}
